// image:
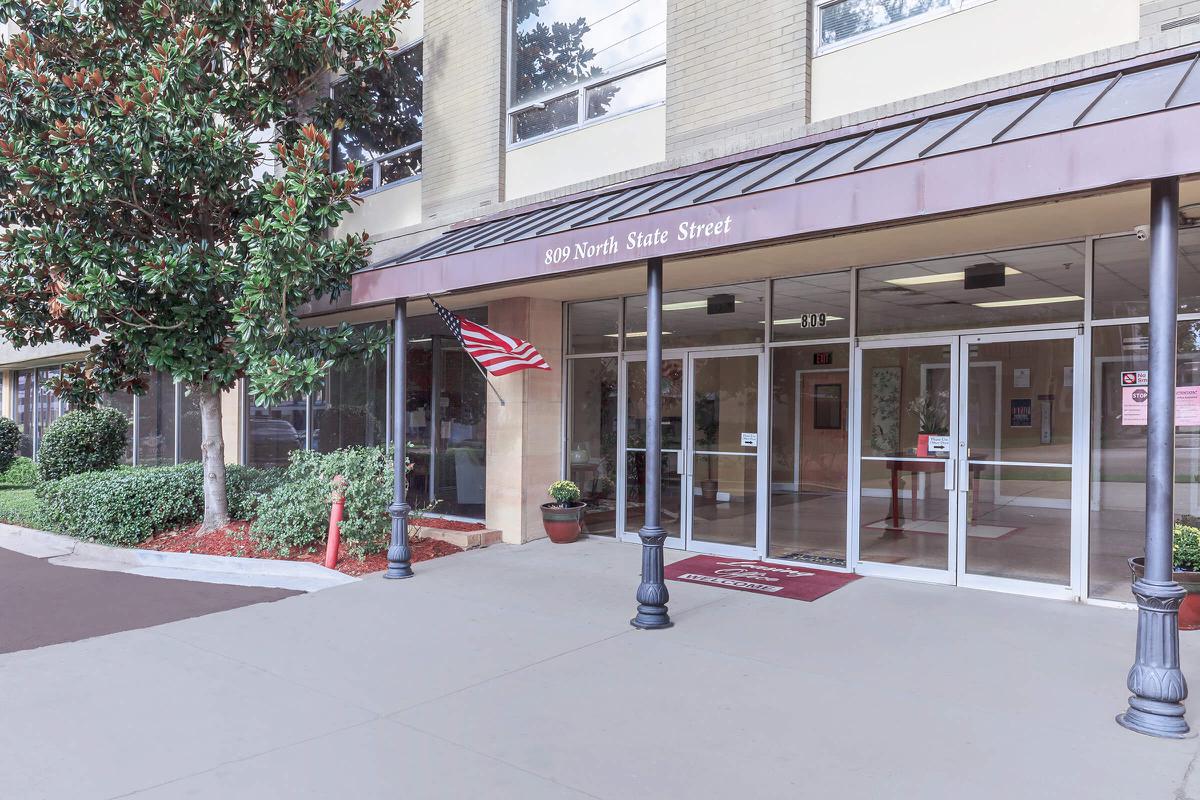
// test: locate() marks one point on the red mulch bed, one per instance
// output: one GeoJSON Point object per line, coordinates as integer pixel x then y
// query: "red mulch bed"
{"type": "Point", "coordinates": [444, 524]}
{"type": "Point", "coordinates": [234, 540]}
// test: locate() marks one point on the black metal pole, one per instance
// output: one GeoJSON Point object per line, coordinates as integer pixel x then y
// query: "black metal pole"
{"type": "Point", "coordinates": [1157, 682]}
{"type": "Point", "coordinates": [652, 593]}
{"type": "Point", "coordinates": [399, 555]}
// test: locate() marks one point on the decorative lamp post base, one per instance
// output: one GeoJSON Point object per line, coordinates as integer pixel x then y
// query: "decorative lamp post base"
{"type": "Point", "coordinates": [399, 554]}
{"type": "Point", "coordinates": [652, 595]}
{"type": "Point", "coordinates": [1157, 682]}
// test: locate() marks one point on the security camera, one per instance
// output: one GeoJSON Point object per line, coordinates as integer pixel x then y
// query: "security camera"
{"type": "Point", "coordinates": [1142, 232]}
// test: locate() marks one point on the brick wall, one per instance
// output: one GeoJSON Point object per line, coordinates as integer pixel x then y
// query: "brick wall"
{"type": "Point", "coordinates": [464, 108]}
{"type": "Point", "coordinates": [1170, 13]}
{"type": "Point", "coordinates": [731, 72]}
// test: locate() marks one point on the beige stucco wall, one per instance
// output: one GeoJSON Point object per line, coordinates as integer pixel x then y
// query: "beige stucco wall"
{"type": "Point", "coordinates": [524, 435]}
{"type": "Point", "coordinates": [972, 44]}
{"type": "Point", "coordinates": [593, 151]}
{"type": "Point", "coordinates": [387, 210]}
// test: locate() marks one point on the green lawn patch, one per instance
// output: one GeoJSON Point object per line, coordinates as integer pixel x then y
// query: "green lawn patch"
{"type": "Point", "coordinates": [19, 506]}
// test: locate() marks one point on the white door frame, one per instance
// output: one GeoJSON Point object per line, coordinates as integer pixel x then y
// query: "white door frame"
{"type": "Point", "coordinates": [1073, 589]}
{"type": "Point", "coordinates": [686, 456]}
{"type": "Point", "coordinates": [925, 574]}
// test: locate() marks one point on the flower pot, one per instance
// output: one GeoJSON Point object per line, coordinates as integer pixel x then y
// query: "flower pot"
{"type": "Point", "coordinates": [1189, 612]}
{"type": "Point", "coordinates": [562, 524]}
{"type": "Point", "coordinates": [922, 445]}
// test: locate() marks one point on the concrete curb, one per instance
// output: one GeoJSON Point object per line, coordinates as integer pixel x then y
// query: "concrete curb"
{"type": "Point", "coordinates": [273, 573]}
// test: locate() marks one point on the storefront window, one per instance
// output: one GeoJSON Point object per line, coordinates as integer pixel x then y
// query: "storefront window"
{"type": "Point", "coordinates": [593, 327]}
{"type": "Point", "coordinates": [720, 315]}
{"type": "Point", "coordinates": [1118, 452]}
{"type": "Point", "coordinates": [156, 422]}
{"type": "Point", "coordinates": [592, 439]}
{"type": "Point", "coordinates": [1121, 279]}
{"type": "Point", "coordinates": [810, 395]}
{"type": "Point", "coordinates": [274, 431]}
{"type": "Point", "coordinates": [23, 409]}
{"type": "Point", "coordinates": [190, 429]}
{"type": "Point", "coordinates": [351, 408]}
{"type": "Point", "coordinates": [49, 406]}
{"type": "Point", "coordinates": [811, 307]}
{"type": "Point", "coordinates": [1035, 285]}
{"type": "Point", "coordinates": [123, 402]}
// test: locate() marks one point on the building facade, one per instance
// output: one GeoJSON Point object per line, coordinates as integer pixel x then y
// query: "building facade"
{"type": "Point", "coordinates": [905, 260]}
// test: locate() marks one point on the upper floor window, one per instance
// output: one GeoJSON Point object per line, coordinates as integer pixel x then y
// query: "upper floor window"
{"type": "Point", "coordinates": [574, 62]}
{"type": "Point", "coordinates": [386, 138]}
{"type": "Point", "coordinates": [841, 21]}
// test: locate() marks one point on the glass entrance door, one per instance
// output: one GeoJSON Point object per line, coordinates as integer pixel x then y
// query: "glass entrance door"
{"type": "Point", "coordinates": [723, 453]}
{"type": "Point", "coordinates": [967, 458]}
{"type": "Point", "coordinates": [1016, 474]}
{"type": "Point", "coordinates": [711, 424]}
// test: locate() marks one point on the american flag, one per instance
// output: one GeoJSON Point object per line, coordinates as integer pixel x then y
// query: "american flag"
{"type": "Point", "coordinates": [495, 352]}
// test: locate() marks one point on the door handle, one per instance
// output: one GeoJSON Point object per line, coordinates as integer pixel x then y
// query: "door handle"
{"type": "Point", "coordinates": [951, 474]}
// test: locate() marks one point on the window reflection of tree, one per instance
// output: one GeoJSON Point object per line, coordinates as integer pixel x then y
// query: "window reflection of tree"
{"type": "Point", "coordinates": [380, 115]}
{"type": "Point", "coordinates": [549, 57]}
{"type": "Point", "coordinates": [852, 17]}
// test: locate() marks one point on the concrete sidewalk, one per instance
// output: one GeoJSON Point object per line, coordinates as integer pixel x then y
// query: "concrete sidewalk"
{"type": "Point", "coordinates": [513, 673]}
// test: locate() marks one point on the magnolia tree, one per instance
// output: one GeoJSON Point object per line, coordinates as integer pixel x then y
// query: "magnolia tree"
{"type": "Point", "coordinates": [166, 197]}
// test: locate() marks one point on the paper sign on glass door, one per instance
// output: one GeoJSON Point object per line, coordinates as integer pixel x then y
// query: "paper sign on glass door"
{"type": "Point", "coordinates": [749, 440]}
{"type": "Point", "coordinates": [1135, 399]}
{"type": "Point", "coordinates": [939, 444]}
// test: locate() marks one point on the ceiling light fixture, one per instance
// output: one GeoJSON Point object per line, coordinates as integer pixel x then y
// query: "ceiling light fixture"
{"type": "Point", "coordinates": [1032, 301]}
{"type": "Point", "coordinates": [947, 277]}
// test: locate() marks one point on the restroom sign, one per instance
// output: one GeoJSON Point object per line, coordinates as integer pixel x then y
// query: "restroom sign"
{"type": "Point", "coordinates": [1139, 377]}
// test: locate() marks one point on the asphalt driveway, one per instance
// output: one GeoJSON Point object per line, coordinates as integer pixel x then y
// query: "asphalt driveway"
{"type": "Point", "coordinates": [43, 603]}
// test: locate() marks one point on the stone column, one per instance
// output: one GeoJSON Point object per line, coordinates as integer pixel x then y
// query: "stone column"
{"type": "Point", "coordinates": [524, 434]}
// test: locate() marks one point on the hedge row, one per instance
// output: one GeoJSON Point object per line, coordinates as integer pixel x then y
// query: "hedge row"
{"type": "Point", "coordinates": [127, 505]}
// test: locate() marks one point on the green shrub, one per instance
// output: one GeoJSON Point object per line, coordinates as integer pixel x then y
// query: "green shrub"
{"type": "Point", "coordinates": [83, 441]}
{"type": "Point", "coordinates": [125, 506]}
{"type": "Point", "coordinates": [22, 472]}
{"type": "Point", "coordinates": [1185, 548]}
{"type": "Point", "coordinates": [296, 514]}
{"type": "Point", "coordinates": [10, 441]}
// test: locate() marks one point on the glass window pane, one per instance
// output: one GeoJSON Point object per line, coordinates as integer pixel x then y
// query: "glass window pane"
{"type": "Point", "coordinates": [624, 94]}
{"type": "Point", "coordinates": [812, 307]}
{"type": "Point", "coordinates": [592, 439]}
{"type": "Point", "coordinates": [731, 314]}
{"type": "Point", "coordinates": [553, 115]}
{"type": "Point", "coordinates": [1014, 287]}
{"type": "Point", "coordinates": [23, 410]}
{"type": "Point", "coordinates": [382, 114]}
{"type": "Point", "coordinates": [850, 18]}
{"type": "Point", "coordinates": [461, 442]}
{"type": "Point", "coordinates": [274, 431]}
{"type": "Point", "coordinates": [1118, 454]}
{"type": "Point", "coordinates": [561, 44]}
{"type": "Point", "coordinates": [809, 426]}
{"type": "Point", "coordinates": [190, 430]}
{"type": "Point", "coordinates": [1121, 280]}
{"type": "Point", "coordinates": [400, 167]}
{"type": "Point", "coordinates": [156, 422]}
{"type": "Point", "coordinates": [49, 406]}
{"type": "Point", "coordinates": [351, 408]}
{"type": "Point", "coordinates": [123, 402]}
{"type": "Point", "coordinates": [1138, 93]}
{"type": "Point", "coordinates": [1056, 112]}
{"type": "Point", "coordinates": [593, 327]}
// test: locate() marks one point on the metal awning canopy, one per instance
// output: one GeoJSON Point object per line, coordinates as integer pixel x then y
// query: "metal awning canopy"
{"type": "Point", "coordinates": [1100, 128]}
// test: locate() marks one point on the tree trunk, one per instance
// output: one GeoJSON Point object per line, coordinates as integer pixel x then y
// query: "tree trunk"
{"type": "Point", "coordinates": [212, 449]}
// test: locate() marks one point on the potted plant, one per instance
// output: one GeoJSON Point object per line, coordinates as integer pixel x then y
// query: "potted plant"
{"type": "Point", "coordinates": [563, 519]}
{"type": "Point", "coordinates": [1185, 554]}
{"type": "Point", "coordinates": [931, 421]}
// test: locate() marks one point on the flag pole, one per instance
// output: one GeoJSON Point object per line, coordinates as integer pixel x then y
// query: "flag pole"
{"type": "Point", "coordinates": [495, 391]}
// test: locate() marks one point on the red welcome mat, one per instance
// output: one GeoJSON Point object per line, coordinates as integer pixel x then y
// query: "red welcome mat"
{"type": "Point", "coordinates": [800, 582]}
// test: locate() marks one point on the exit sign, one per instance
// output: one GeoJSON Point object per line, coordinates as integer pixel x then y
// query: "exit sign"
{"type": "Point", "coordinates": [823, 359]}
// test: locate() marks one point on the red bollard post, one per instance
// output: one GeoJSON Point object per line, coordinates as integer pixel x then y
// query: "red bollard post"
{"type": "Point", "coordinates": [335, 521]}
